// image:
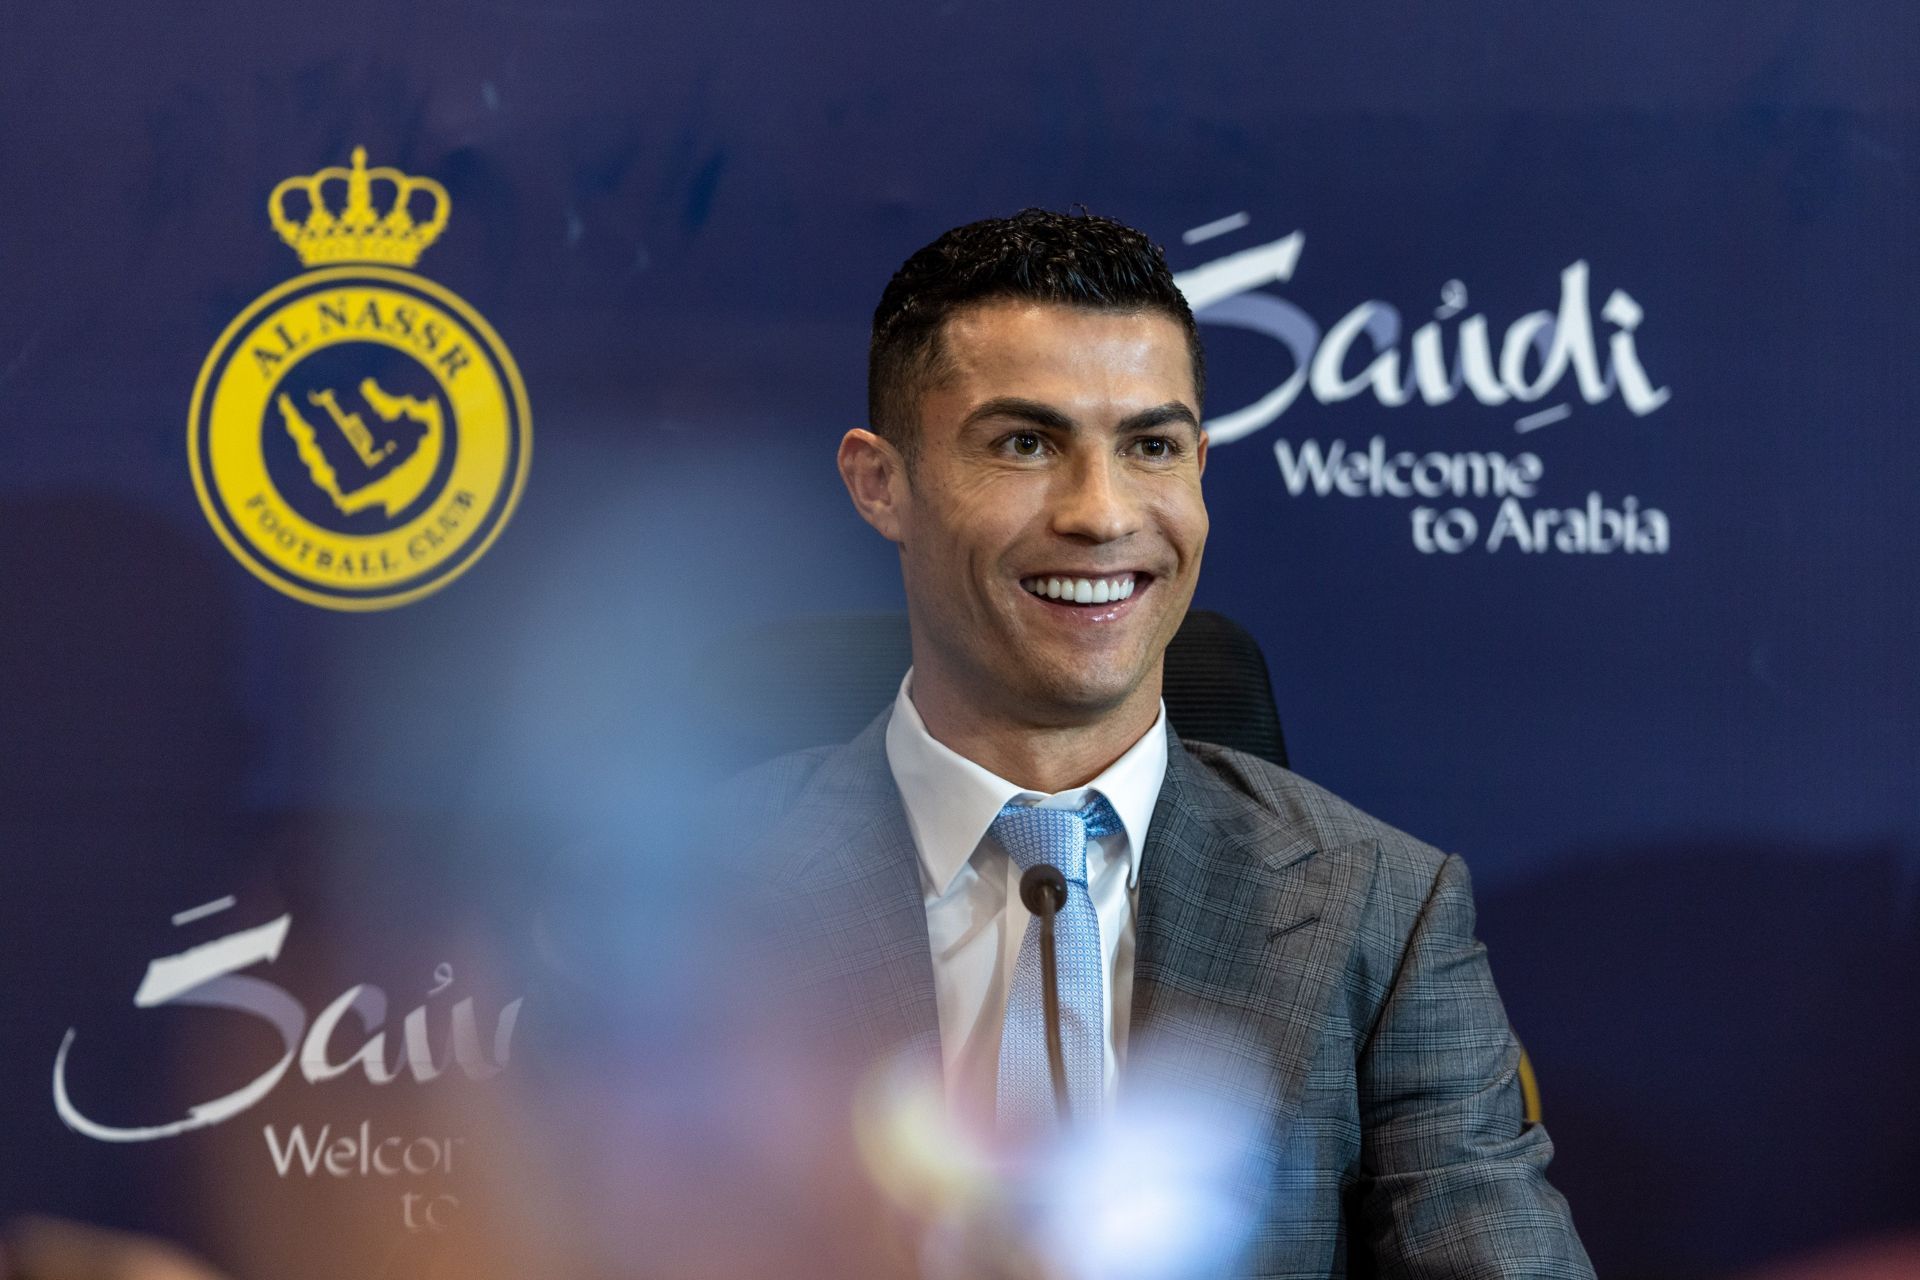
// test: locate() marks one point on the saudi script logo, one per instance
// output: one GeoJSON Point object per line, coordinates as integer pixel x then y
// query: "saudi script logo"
{"type": "Point", "coordinates": [211, 976]}
{"type": "Point", "coordinates": [1448, 354]}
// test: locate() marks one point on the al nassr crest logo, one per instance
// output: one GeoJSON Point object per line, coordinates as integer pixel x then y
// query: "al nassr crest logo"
{"type": "Point", "coordinates": [359, 435]}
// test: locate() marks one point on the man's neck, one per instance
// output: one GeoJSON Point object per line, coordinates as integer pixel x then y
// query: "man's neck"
{"type": "Point", "coordinates": [1038, 757]}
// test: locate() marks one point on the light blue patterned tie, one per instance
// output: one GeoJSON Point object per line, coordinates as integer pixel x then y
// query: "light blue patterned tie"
{"type": "Point", "coordinates": [1024, 1100]}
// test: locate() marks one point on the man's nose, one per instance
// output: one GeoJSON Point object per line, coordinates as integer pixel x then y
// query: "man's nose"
{"type": "Point", "coordinates": [1095, 500]}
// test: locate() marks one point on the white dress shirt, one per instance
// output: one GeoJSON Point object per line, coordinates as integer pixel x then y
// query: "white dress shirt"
{"type": "Point", "coordinates": [975, 919]}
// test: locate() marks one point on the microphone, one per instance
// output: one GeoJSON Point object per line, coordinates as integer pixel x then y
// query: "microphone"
{"type": "Point", "coordinates": [1043, 890]}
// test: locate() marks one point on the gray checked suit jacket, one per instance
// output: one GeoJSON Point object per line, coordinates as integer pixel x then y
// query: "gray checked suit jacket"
{"type": "Point", "coordinates": [1316, 968]}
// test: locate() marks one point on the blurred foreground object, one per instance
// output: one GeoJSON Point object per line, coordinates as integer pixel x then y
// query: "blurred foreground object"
{"type": "Point", "coordinates": [55, 1249]}
{"type": "Point", "coordinates": [1897, 1258]}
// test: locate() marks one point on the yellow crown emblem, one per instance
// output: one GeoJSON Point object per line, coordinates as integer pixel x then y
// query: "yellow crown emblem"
{"type": "Point", "coordinates": [359, 232]}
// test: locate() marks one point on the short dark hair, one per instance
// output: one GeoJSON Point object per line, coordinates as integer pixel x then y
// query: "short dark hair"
{"type": "Point", "coordinates": [1078, 260]}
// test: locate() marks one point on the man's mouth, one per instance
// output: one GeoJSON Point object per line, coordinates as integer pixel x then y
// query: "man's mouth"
{"type": "Point", "coordinates": [1074, 590]}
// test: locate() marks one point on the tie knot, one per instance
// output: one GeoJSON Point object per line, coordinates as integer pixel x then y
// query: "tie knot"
{"type": "Point", "coordinates": [1054, 837]}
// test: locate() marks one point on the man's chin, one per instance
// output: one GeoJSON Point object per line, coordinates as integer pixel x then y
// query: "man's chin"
{"type": "Point", "coordinates": [1074, 698]}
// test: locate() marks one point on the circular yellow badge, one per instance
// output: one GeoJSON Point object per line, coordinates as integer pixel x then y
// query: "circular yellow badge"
{"type": "Point", "coordinates": [358, 437]}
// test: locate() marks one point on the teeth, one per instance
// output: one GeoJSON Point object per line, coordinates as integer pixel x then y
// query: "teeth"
{"type": "Point", "coordinates": [1082, 590]}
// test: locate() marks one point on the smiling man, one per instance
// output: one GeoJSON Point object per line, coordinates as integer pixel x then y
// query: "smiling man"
{"type": "Point", "coordinates": [1035, 452]}
{"type": "Point", "coordinates": [1044, 490]}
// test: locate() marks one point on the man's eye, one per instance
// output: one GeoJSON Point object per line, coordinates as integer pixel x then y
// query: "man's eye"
{"type": "Point", "coordinates": [1156, 447]}
{"type": "Point", "coordinates": [1024, 443]}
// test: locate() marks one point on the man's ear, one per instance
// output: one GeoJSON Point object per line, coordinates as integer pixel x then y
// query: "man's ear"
{"type": "Point", "coordinates": [1200, 452]}
{"type": "Point", "coordinates": [876, 479]}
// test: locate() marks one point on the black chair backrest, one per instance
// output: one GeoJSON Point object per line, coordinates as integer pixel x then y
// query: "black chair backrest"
{"type": "Point", "coordinates": [811, 681]}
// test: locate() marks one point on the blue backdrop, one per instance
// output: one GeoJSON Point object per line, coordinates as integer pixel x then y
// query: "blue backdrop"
{"type": "Point", "coordinates": [1650, 668]}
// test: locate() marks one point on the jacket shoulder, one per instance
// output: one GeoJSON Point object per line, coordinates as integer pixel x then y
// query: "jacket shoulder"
{"type": "Point", "coordinates": [1327, 821]}
{"type": "Point", "coordinates": [1305, 805]}
{"type": "Point", "coordinates": [768, 792]}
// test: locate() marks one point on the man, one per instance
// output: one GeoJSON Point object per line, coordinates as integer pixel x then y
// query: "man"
{"type": "Point", "coordinates": [1035, 452]}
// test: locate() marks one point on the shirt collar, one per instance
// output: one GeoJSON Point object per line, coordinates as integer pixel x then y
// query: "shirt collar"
{"type": "Point", "coordinates": [951, 801]}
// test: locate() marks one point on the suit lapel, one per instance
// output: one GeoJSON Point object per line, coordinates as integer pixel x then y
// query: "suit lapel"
{"type": "Point", "coordinates": [1243, 935]}
{"type": "Point", "coordinates": [862, 963]}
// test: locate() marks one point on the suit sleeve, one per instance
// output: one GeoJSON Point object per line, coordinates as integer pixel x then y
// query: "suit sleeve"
{"type": "Point", "coordinates": [1453, 1178]}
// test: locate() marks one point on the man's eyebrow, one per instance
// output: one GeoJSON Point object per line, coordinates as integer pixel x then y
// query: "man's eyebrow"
{"type": "Point", "coordinates": [1159, 416]}
{"type": "Point", "coordinates": [1045, 415]}
{"type": "Point", "coordinates": [1037, 412]}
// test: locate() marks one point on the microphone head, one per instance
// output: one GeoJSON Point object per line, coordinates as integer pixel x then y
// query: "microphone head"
{"type": "Point", "coordinates": [1043, 889]}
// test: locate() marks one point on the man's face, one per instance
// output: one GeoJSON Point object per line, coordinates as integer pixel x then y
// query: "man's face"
{"type": "Point", "coordinates": [1051, 528]}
